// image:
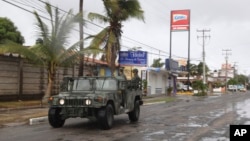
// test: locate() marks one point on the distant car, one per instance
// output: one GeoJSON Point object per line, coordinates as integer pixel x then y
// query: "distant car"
{"type": "Point", "coordinates": [243, 90]}
{"type": "Point", "coordinates": [185, 88]}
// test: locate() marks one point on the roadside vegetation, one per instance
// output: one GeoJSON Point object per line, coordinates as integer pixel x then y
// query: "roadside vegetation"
{"type": "Point", "coordinates": [19, 104]}
{"type": "Point", "coordinates": [151, 99]}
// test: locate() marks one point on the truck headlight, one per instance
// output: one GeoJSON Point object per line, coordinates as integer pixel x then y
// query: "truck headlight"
{"type": "Point", "coordinates": [61, 101]}
{"type": "Point", "coordinates": [87, 101]}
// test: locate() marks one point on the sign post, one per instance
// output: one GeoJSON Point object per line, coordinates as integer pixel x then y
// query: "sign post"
{"type": "Point", "coordinates": [180, 21]}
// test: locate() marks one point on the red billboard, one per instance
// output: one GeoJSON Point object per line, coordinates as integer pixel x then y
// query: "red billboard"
{"type": "Point", "coordinates": [180, 20]}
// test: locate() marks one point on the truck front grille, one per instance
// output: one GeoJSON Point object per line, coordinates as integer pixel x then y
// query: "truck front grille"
{"type": "Point", "coordinates": [75, 102]}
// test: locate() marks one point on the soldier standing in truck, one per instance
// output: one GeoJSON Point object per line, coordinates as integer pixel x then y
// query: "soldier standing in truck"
{"type": "Point", "coordinates": [136, 80]}
{"type": "Point", "coordinates": [121, 73]}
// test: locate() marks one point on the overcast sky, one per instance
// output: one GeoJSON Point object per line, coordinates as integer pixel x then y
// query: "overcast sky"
{"type": "Point", "coordinates": [227, 20]}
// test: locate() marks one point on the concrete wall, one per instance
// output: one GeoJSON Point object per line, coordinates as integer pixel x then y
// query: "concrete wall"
{"type": "Point", "coordinates": [20, 79]}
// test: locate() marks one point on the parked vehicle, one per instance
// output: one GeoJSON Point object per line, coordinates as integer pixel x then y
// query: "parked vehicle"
{"type": "Point", "coordinates": [235, 88]}
{"type": "Point", "coordinates": [97, 98]}
{"type": "Point", "coordinates": [186, 88]}
{"type": "Point", "coordinates": [182, 87]}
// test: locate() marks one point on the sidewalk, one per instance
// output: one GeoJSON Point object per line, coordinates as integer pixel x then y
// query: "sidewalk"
{"type": "Point", "coordinates": [22, 114]}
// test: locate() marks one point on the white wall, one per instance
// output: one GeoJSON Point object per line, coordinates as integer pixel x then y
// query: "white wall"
{"type": "Point", "coordinates": [157, 81]}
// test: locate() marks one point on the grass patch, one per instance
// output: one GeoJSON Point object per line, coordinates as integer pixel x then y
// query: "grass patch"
{"type": "Point", "coordinates": [160, 99]}
{"type": "Point", "coordinates": [16, 104]}
{"type": "Point", "coordinates": [185, 93]}
{"type": "Point", "coordinates": [24, 117]}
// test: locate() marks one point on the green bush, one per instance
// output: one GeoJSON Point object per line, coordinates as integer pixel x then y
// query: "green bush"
{"type": "Point", "coordinates": [202, 88]}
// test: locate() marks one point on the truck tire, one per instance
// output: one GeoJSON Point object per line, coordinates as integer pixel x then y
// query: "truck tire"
{"type": "Point", "coordinates": [135, 114]}
{"type": "Point", "coordinates": [106, 117]}
{"type": "Point", "coordinates": [54, 117]}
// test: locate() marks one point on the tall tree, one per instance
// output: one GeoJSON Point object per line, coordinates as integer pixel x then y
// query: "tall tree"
{"type": "Point", "coordinates": [200, 68]}
{"type": "Point", "coordinates": [116, 12]}
{"type": "Point", "coordinates": [51, 49]}
{"type": "Point", "coordinates": [242, 79]}
{"type": "Point", "coordinates": [157, 63]}
{"type": "Point", "coordinates": [193, 69]}
{"type": "Point", "coordinates": [9, 31]}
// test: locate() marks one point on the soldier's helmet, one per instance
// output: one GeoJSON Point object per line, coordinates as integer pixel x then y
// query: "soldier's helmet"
{"type": "Point", "coordinates": [135, 70]}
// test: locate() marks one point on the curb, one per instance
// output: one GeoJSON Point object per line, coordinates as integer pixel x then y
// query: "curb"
{"type": "Point", "coordinates": [38, 120]}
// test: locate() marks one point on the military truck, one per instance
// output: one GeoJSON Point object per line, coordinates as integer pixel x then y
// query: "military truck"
{"type": "Point", "coordinates": [98, 98]}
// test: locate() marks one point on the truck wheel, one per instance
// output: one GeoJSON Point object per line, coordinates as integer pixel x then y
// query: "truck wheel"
{"type": "Point", "coordinates": [135, 114]}
{"type": "Point", "coordinates": [106, 117]}
{"type": "Point", "coordinates": [54, 117]}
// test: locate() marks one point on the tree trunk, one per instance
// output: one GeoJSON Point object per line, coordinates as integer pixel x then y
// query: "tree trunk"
{"type": "Point", "coordinates": [48, 90]}
{"type": "Point", "coordinates": [51, 77]}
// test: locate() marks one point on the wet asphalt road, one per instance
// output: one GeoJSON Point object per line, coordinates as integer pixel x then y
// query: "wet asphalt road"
{"type": "Point", "coordinates": [189, 119]}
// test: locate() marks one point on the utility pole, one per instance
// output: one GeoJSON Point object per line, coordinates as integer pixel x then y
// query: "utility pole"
{"type": "Point", "coordinates": [226, 58]}
{"type": "Point", "coordinates": [204, 37]}
{"type": "Point", "coordinates": [81, 65]}
{"type": "Point", "coordinates": [235, 71]}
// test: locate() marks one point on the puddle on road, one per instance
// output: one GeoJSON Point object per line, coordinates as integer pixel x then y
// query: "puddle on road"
{"type": "Point", "coordinates": [193, 125]}
{"type": "Point", "coordinates": [215, 139]}
{"type": "Point", "coordinates": [156, 133]}
{"type": "Point", "coordinates": [149, 136]}
{"type": "Point", "coordinates": [242, 109]}
{"type": "Point", "coordinates": [192, 122]}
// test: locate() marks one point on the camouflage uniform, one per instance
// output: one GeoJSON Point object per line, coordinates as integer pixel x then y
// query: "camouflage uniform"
{"type": "Point", "coordinates": [136, 80]}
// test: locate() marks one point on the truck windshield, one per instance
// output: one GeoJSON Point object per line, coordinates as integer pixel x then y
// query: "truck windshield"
{"type": "Point", "coordinates": [106, 84]}
{"type": "Point", "coordinates": [82, 85]}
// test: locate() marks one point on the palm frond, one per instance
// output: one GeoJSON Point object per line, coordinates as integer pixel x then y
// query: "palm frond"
{"type": "Point", "coordinates": [111, 7]}
{"type": "Point", "coordinates": [49, 11]}
{"type": "Point", "coordinates": [66, 26]}
{"type": "Point", "coordinates": [41, 51]}
{"type": "Point", "coordinates": [67, 53]}
{"type": "Point", "coordinates": [99, 17]}
{"type": "Point", "coordinates": [42, 27]}
{"type": "Point", "coordinates": [12, 47]}
{"type": "Point", "coordinates": [131, 9]}
{"type": "Point", "coordinates": [92, 50]}
{"type": "Point", "coordinates": [57, 21]}
{"type": "Point", "coordinates": [100, 38]}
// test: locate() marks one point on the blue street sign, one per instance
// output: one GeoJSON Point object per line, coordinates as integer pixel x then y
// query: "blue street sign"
{"type": "Point", "coordinates": [133, 58]}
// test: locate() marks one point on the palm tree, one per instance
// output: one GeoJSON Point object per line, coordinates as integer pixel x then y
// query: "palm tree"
{"type": "Point", "coordinates": [157, 63]}
{"type": "Point", "coordinates": [193, 69]}
{"type": "Point", "coordinates": [200, 69]}
{"type": "Point", "coordinates": [117, 11]}
{"type": "Point", "coordinates": [50, 49]}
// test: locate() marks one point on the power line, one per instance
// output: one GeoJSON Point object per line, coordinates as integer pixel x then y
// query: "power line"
{"type": "Point", "coordinates": [22, 8]}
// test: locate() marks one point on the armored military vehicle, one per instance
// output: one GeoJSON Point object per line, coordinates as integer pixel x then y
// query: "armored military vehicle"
{"type": "Point", "coordinates": [97, 98]}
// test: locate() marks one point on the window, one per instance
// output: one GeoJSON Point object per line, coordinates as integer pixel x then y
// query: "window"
{"type": "Point", "coordinates": [82, 85]}
{"type": "Point", "coordinates": [106, 84]}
